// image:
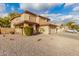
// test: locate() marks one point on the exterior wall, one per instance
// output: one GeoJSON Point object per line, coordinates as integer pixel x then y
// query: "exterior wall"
{"type": "Point", "coordinates": [64, 28]}
{"type": "Point", "coordinates": [28, 17]}
{"type": "Point", "coordinates": [12, 26]}
{"type": "Point", "coordinates": [32, 18]}
{"type": "Point", "coordinates": [60, 29]}
{"type": "Point", "coordinates": [47, 29]}
{"type": "Point", "coordinates": [7, 30]}
{"type": "Point", "coordinates": [37, 19]}
{"type": "Point", "coordinates": [18, 30]}
{"type": "Point", "coordinates": [25, 24]}
{"type": "Point", "coordinates": [25, 16]}
{"type": "Point", "coordinates": [42, 21]}
{"type": "Point", "coordinates": [52, 30]}
{"type": "Point", "coordinates": [44, 29]}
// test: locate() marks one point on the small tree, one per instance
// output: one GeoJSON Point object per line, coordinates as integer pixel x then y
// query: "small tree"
{"type": "Point", "coordinates": [1, 22]}
{"type": "Point", "coordinates": [70, 24]}
{"type": "Point", "coordinates": [13, 15]}
{"type": "Point", "coordinates": [4, 22]}
{"type": "Point", "coordinates": [73, 25]}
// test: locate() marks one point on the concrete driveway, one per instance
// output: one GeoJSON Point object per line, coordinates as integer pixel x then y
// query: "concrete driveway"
{"type": "Point", "coordinates": [40, 45]}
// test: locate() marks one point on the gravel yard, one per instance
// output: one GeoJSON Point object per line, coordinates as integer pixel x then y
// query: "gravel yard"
{"type": "Point", "coordinates": [40, 45]}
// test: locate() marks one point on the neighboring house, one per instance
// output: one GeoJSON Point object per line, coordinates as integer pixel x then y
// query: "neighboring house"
{"type": "Point", "coordinates": [39, 23]}
{"type": "Point", "coordinates": [61, 28]}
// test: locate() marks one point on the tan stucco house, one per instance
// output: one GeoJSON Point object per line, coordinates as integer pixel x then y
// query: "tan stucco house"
{"type": "Point", "coordinates": [39, 23]}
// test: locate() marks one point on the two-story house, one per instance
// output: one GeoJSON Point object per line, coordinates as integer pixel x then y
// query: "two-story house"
{"type": "Point", "coordinates": [39, 23]}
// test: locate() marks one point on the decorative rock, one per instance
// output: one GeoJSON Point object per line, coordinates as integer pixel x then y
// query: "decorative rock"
{"type": "Point", "coordinates": [39, 39]}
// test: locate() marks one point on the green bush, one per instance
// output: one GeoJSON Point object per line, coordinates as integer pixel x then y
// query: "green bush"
{"type": "Point", "coordinates": [28, 31]}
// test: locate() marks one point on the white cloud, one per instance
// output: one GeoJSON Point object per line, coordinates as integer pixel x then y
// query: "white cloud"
{"type": "Point", "coordinates": [13, 9]}
{"type": "Point", "coordinates": [2, 10]}
{"type": "Point", "coordinates": [50, 15]}
{"type": "Point", "coordinates": [2, 7]}
{"type": "Point", "coordinates": [3, 14]}
{"type": "Point", "coordinates": [55, 18]}
{"type": "Point", "coordinates": [59, 18]}
{"type": "Point", "coordinates": [46, 12]}
{"type": "Point", "coordinates": [37, 6]}
{"type": "Point", "coordinates": [66, 17]}
{"type": "Point", "coordinates": [68, 4]}
{"type": "Point", "coordinates": [76, 9]}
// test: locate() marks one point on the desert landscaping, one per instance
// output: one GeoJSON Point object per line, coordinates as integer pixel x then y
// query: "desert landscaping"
{"type": "Point", "coordinates": [39, 45]}
{"type": "Point", "coordinates": [50, 31]}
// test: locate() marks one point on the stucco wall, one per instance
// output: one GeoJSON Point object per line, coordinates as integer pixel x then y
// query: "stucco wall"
{"type": "Point", "coordinates": [37, 19]}
{"type": "Point", "coordinates": [7, 30]}
{"type": "Point", "coordinates": [47, 30]}
{"type": "Point", "coordinates": [44, 29]}
{"type": "Point", "coordinates": [53, 30]}
{"type": "Point", "coordinates": [12, 25]}
{"type": "Point", "coordinates": [18, 30]}
{"type": "Point", "coordinates": [60, 29]}
{"type": "Point", "coordinates": [28, 17]}
{"type": "Point", "coordinates": [25, 16]}
{"type": "Point", "coordinates": [32, 18]}
{"type": "Point", "coordinates": [42, 21]}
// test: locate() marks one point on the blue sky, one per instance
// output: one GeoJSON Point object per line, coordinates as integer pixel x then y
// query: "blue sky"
{"type": "Point", "coordinates": [55, 11]}
{"type": "Point", "coordinates": [58, 8]}
{"type": "Point", "coordinates": [38, 8]}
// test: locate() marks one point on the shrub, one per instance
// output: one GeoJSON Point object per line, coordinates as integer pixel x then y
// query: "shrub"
{"type": "Point", "coordinates": [0, 31]}
{"type": "Point", "coordinates": [28, 30]}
